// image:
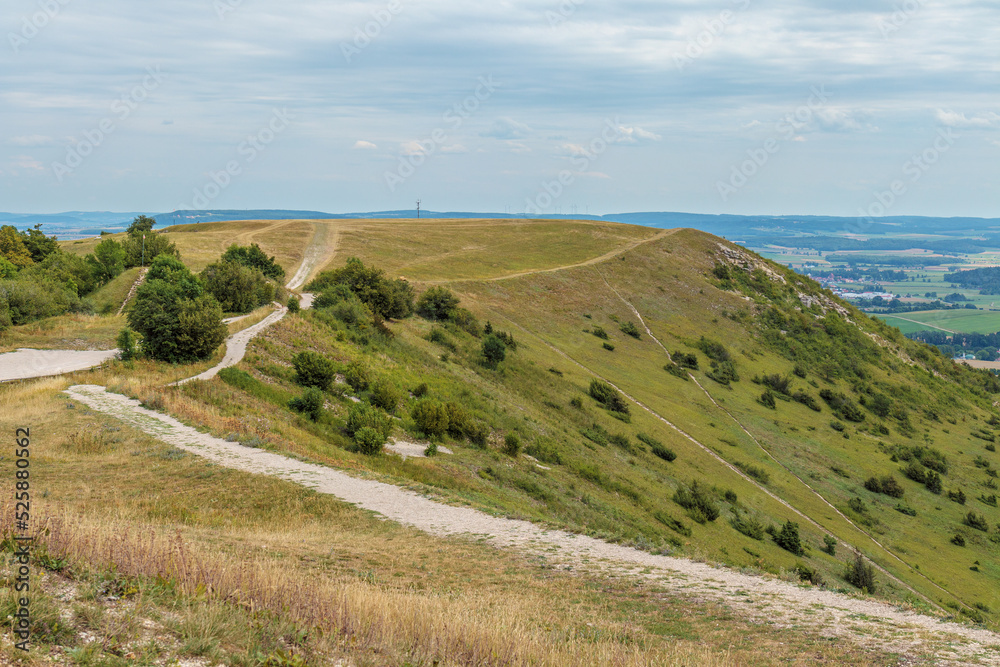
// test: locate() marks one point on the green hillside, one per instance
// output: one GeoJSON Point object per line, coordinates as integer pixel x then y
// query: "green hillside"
{"type": "Point", "coordinates": [667, 390]}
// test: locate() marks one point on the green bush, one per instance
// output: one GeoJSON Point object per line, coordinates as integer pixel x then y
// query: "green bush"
{"type": "Point", "coordinates": [384, 297]}
{"type": "Point", "coordinates": [494, 350]}
{"type": "Point", "coordinates": [436, 303]}
{"type": "Point", "coordinates": [420, 390]}
{"type": "Point", "coordinates": [685, 360]}
{"type": "Point", "coordinates": [608, 396]}
{"type": "Point", "coordinates": [294, 305]}
{"type": "Point", "coordinates": [723, 372]}
{"type": "Point", "coordinates": [886, 485]}
{"type": "Point", "coordinates": [310, 403]}
{"type": "Point", "coordinates": [254, 258]}
{"type": "Point", "coordinates": [385, 395]}
{"type": "Point", "coordinates": [599, 332]}
{"type": "Point", "coordinates": [977, 521]}
{"type": "Point", "coordinates": [807, 400]}
{"type": "Point", "coordinates": [788, 538]}
{"type": "Point", "coordinates": [459, 422]}
{"type": "Point", "coordinates": [238, 288]}
{"type": "Point", "coordinates": [511, 444]}
{"type": "Point", "coordinates": [364, 415]}
{"type": "Point", "coordinates": [369, 440]}
{"type": "Point", "coordinates": [753, 471]}
{"type": "Point", "coordinates": [431, 417]}
{"type": "Point", "coordinates": [698, 502]}
{"type": "Point", "coordinates": [630, 329]}
{"type": "Point", "coordinates": [748, 525]}
{"type": "Point", "coordinates": [957, 496]}
{"type": "Point", "coordinates": [767, 399]}
{"type": "Point", "coordinates": [608, 346]}
{"type": "Point", "coordinates": [958, 540]}
{"type": "Point", "coordinates": [465, 321]}
{"type": "Point", "coordinates": [127, 344]}
{"type": "Point", "coordinates": [313, 370]}
{"type": "Point", "coordinates": [478, 434]}
{"type": "Point", "coordinates": [861, 574]}
{"type": "Point", "coordinates": [714, 350]}
{"type": "Point", "coordinates": [829, 543]}
{"type": "Point", "coordinates": [357, 376]}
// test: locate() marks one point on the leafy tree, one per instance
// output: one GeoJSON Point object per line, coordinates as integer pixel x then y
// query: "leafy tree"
{"type": "Point", "coordinates": [312, 369]}
{"type": "Point", "coordinates": [154, 245]}
{"type": "Point", "coordinates": [294, 305]}
{"type": "Point", "coordinates": [73, 271]}
{"type": "Point", "coordinates": [437, 303]}
{"type": "Point", "coordinates": [253, 257]}
{"type": "Point", "coordinates": [108, 260]}
{"type": "Point", "coordinates": [141, 225]}
{"type": "Point", "coordinates": [7, 270]}
{"type": "Point", "coordinates": [511, 444]}
{"type": "Point", "coordinates": [29, 298]}
{"type": "Point", "coordinates": [38, 244]}
{"type": "Point", "coordinates": [12, 247]}
{"type": "Point", "coordinates": [238, 288]}
{"type": "Point", "coordinates": [431, 417]}
{"type": "Point", "coordinates": [494, 350]}
{"type": "Point", "coordinates": [177, 320]}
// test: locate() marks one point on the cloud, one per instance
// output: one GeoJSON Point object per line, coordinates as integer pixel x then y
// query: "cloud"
{"type": "Point", "coordinates": [27, 163]}
{"type": "Point", "coordinates": [361, 144]}
{"type": "Point", "coordinates": [842, 120]}
{"type": "Point", "coordinates": [32, 140]}
{"type": "Point", "coordinates": [507, 128]}
{"type": "Point", "coordinates": [628, 134]}
{"type": "Point", "coordinates": [988, 120]}
{"type": "Point", "coordinates": [412, 148]}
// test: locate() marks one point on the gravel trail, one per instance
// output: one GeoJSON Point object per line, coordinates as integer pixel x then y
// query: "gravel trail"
{"type": "Point", "coordinates": [865, 622]}
{"type": "Point", "coordinates": [27, 363]}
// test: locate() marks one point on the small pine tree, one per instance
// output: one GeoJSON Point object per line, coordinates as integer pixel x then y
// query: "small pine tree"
{"type": "Point", "coordinates": [511, 444]}
{"type": "Point", "coordinates": [127, 344]}
{"type": "Point", "coordinates": [861, 574]}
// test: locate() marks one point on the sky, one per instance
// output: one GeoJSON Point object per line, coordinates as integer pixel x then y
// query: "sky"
{"type": "Point", "coordinates": [831, 107]}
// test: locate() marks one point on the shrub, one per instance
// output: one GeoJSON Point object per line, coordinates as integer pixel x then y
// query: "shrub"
{"type": "Point", "coordinates": [438, 336]}
{"type": "Point", "coordinates": [830, 545]}
{"type": "Point", "coordinates": [294, 305]}
{"type": "Point", "coordinates": [608, 346]}
{"type": "Point", "coordinates": [431, 417]}
{"type": "Point", "coordinates": [807, 400]}
{"type": "Point", "coordinates": [842, 405]}
{"type": "Point", "coordinates": [494, 350]}
{"type": "Point", "coordinates": [608, 396]}
{"type": "Point", "coordinates": [385, 395]}
{"type": "Point", "coordinates": [861, 574]}
{"type": "Point", "coordinates": [932, 481]}
{"type": "Point", "coordinates": [958, 540]}
{"type": "Point", "coordinates": [990, 500]}
{"type": "Point", "coordinates": [756, 472]}
{"type": "Point", "coordinates": [357, 376]}
{"type": "Point", "coordinates": [369, 441]}
{"type": "Point", "coordinates": [800, 371]}
{"type": "Point", "coordinates": [576, 402]}
{"type": "Point", "coordinates": [436, 303]}
{"type": "Point", "coordinates": [779, 383]}
{"type": "Point", "coordinates": [466, 321]}
{"type": "Point", "coordinates": [313, 370]}
{"type": "Point", "coordinates": [478, 434]}
{"type": "Point", "coordinates": [238, 288]}
{"type": "Point", "coordinates": [698, 502]}
{"type": "Point", "coordinates": [837, 426]}
{"type": "Point", "coordinates": [420, 390]}
{"type": "Point", "coordinates": [788, 538]}
{"type": "Point", "coordinates": [977, 521]}
{"type": "Point", "coordinates": [905, 509]}
{"type": "Point", "coordinates": [714, 350]}
{"type": "Point", "coordinates": [310, 403]}
{"type": "Point", "coordinates": [599, 332]}
{"type": "Point", "coordinates": [459, 422]}
{"type": "Point", "coordinates": [916, 472]}
{"type": "Point", "coordinates": [511, 444]}
{"type": "Point", "coordinates": [723, 372]}
{"type": "Point", "coordinates": [748, 525]}
{"type": "Point", "coordinates": [886, 485]}
{"type": "Point", "coordinates": [957, 496]}
{"type": "Point", "coordinates": [630, 329]}
{"type": "Point", "coordinates": [384, 297]}
{"type": "Point", "coordinates": [767, 399]}
{"type": "Point", "coordinates": [685, 360]}
{"type": "Point", "coordinates": [127, 344]}
{"type": "Point", "coordinates": [364, 415]}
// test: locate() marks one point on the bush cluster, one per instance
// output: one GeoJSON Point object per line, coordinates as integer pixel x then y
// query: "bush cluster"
{"type": "Point", "coordinates": [698, 502]}
{"type": "Point", "coordinates": [608, 396]}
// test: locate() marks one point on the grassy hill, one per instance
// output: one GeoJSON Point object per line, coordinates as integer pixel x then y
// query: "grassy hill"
{"type": "Point", "coordinates": [753, 399]}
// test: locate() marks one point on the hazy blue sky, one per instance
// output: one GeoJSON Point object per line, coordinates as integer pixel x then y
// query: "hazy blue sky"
{"type": "Point", "coordinates": [746, 106]}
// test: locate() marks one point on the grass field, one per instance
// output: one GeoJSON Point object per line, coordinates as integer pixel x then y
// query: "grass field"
{"type": "Point", "coordinates": [961, 321]}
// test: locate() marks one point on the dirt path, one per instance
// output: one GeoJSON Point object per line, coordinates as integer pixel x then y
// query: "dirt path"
{"type": "Point", "coordinates": [27, 363]}
{"type": "Point", "coordinates": [132, 290]}
{"type": "Point", "coordinates": [631, 245]}
{"type": "Point", "coordinates": [865, 622]}
{"type": "Point", "coordinates": [236, 345]}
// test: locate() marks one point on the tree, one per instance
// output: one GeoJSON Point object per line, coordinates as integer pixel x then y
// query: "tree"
{"type": "Point", "coordinates": [12, 247]}
{"type": "Point", "coordinates": [364, 415]}
{"type": "Point", "coordinates": [608, 396]}
{"type": "Point", "coordinates": [141, 225]}
{"type": "Point", "coordinates": [861, 574]}
{"type": "Point", "coordinates": [108, 260]}
{"type": "Point", "coordinates": [436, 303]}
{"type": "Point", "coordinates": [237, 287]}
{"type": "Point", "coordinates": [155, 245]}
{"type": "Point", "coordinates": [386, 298]}
{"type": "Point", "coordinates": [177, 320]}
{"type": "Point", "coordinates": [7, 270]}
{"type": "Point", "coordinates": [310, 403]}
{"type": "Point", "coordinates": [127, 345]}
{"type": "Point", "coordinates": [38, 244]}
{"type": "Point", "coordinates": [253, 257]}
{"type": "Point", "coordinates": [494, 350]}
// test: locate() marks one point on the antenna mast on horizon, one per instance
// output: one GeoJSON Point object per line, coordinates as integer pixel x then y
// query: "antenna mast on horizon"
{"type": "Point", "coordinates": [418, 209]}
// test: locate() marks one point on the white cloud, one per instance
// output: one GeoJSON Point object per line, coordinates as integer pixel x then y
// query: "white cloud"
{"type": "Point", "coordinates": [32, 140]}
{"type": "Point", "coordinates": [954, 119]}
{"type": "Point", "coordinates": [629, 134]}
{"type": "Point", "coordinates": [361, 144]}
{"type": "Point", "coordinates": [507, 128]}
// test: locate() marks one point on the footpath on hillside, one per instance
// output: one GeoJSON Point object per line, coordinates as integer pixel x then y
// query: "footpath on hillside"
{"type": "Point", "coordinates": [866, 622]}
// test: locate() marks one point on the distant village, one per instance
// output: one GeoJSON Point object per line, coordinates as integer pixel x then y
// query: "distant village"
{"type": "Point", "coordinates": [834, 285]}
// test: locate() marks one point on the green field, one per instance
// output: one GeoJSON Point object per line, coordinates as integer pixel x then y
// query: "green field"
{"type": "Point", "coordinates": [958, 321]}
